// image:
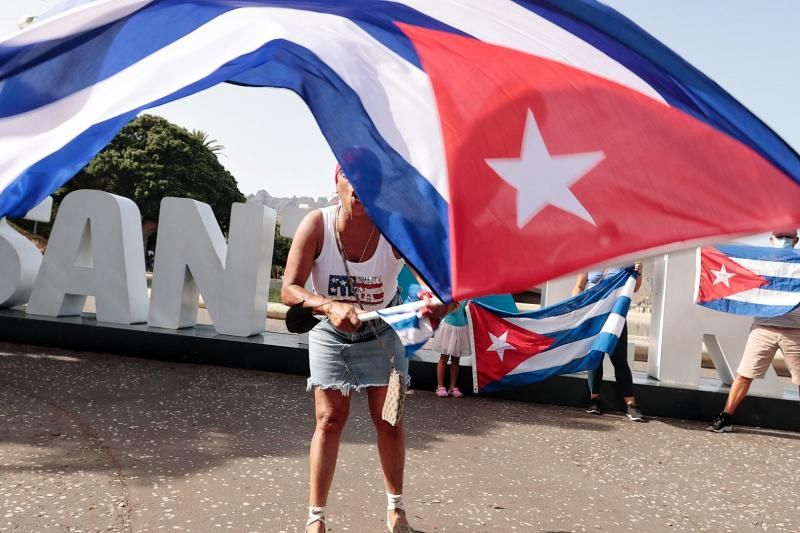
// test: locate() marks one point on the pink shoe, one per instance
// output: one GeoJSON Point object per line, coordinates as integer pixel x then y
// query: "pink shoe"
{"type": "Point", "coordinates": [441, 392]}
{"type": "Point", "coordinates": [455, 393]}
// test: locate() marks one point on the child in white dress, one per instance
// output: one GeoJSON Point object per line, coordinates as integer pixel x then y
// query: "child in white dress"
{"type": "Point", "coordinates": [452, 339]}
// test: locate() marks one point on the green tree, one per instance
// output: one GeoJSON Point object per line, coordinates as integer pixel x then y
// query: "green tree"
{"type": "Point", "coordinates": [151, 158]}
{"type": "Point", "coordinates": [280, 252]}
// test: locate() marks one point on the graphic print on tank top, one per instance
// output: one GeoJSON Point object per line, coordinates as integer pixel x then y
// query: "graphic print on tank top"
{"type": "Point", "coordinates": [369, 289]}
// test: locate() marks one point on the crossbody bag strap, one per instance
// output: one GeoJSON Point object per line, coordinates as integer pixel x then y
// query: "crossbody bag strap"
{"type": "Point", "coordinates": [340, 247]}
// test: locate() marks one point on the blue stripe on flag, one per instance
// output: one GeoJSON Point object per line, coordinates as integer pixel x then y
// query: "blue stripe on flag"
{"type": "Point", "coordinates": [584, 299]}
{"type": "Point", "coordinates": [586, 329]}
{"type": "Point", "coordinates": [747, 309]}
{"type": "Point", "coordinates": [591, 326]}
{"type": "Point", "coordinates": [48, 174]}
{"type": "Point", "coordinates": [782, 284]}
{"type": "Point", "coordinates": [759, 253]}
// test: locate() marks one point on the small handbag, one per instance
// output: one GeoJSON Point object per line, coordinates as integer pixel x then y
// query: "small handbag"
{"type": "Point", "coordinates": [395, 399]}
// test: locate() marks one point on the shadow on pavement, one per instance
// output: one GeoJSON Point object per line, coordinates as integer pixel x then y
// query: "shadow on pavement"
{"type": "Point", "coordinates": [171, 419]}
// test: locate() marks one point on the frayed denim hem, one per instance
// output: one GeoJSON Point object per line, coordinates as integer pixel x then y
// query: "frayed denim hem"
{"type": "Point", "coordinates": [346, 388]}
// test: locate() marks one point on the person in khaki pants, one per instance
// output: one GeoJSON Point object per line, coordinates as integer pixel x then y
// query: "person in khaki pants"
{"type": "Point", "coordinates": [767, 336]}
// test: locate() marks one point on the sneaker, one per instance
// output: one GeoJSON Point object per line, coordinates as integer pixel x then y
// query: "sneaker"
{"type": "Point", "coordinates": [721, 424]}
{"type": "Point", "coordinates": [594, 407]}
{"type": "Point", "coordinates": [634, 413]}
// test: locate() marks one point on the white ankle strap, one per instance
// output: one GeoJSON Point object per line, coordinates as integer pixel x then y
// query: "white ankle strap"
{"type": "Point", "coordinates": [315, 514]}
{"type": "Point", "coordinates": [394, 501]}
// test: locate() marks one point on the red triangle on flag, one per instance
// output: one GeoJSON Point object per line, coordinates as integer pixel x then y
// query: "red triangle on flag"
{"type": "Point", "coordinates": [721, 276]}
{"type": "Point", "coordinates": [544, 157]}
{"type": "Point", "coordinates": [500, 346]}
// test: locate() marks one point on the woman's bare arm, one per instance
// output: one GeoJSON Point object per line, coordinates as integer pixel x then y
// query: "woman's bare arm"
{"type": "Point", "coordinates": [306, 247]}
{"type": "Point", "coordinates": [637, 267]}
{"type": "Point", "coordinates": [580, 283]}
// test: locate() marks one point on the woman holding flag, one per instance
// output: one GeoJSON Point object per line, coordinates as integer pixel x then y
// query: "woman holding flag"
{"type": "Point", "coordinates": [622, 371]}
{"type": "Point", "coordinates": [353, 269]}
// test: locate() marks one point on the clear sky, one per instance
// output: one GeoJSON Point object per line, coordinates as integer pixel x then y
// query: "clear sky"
{"type": "Point", "coordinates": [271, 141]}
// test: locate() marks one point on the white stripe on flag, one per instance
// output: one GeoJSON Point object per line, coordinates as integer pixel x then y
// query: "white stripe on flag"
{"type": "Point", "coordinates": [569, 320]}
{"type": "Point", "coordinates": [778, 269]}
{"type": "Point", "coordinates": [398, 96]}
{"type": "Point", "coordinates": [78, 19]}
{"type": "Point", "coordinates": [496, 21]}
{"type": "Point", "coordinates": [556, 357]}
{"type": "Point", "coordinates": [614, 324]}
{"type": "Point", "coordinates": [766, 297]}
{"type": "Point", "coordinates": [564, 354]}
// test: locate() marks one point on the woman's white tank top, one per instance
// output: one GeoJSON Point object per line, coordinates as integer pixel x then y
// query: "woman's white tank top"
{"type": "Point", "coordinates": [374, 280]}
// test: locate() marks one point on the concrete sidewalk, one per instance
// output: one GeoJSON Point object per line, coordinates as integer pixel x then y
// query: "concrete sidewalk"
{"type": "Point", "coordinates": [92, 442]}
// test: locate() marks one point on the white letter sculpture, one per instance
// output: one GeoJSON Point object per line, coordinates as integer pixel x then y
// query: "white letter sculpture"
{"type": "Point", "coordinates": [20, 259]}
{"type": "Point", "coordinates": [95, 249]}
{"type": "Point", "coordinates": [19, 262]}
{"type": "Point", "coordinates": [192, 258]}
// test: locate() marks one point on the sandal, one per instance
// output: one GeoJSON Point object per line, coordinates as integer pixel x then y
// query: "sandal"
{"type": "Point", "coordinates": [441, 392]}
{"type": "Point", "coordinates": [317, 515]}
{"type": "Point", "coordinates": [324, 527]}
{"type": "Point", "coordinates": [456, 393]}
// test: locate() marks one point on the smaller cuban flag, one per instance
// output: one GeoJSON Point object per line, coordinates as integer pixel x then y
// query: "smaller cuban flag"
{"type": "Point", "coordinates": [748, 280]}
{"type": "Point", "coordinates": [413, 329]}
{"type": "Point", "coordinates": [516, 349]}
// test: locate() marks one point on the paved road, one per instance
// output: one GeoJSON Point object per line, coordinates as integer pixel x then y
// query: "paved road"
{"type": "Point", "coordinates": [92, 442]}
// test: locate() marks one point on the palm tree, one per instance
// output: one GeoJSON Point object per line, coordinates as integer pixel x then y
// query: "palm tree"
{"type": "Point", "coordinates": [213, 145]}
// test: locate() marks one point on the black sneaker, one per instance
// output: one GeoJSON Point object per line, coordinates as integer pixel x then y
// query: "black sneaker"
{"type": "Point", "coordinates": [594, 407]}
{"type": "Point", "coordinates": [634, 413]}
{"type": "Point", "coordinates": [721, 424]}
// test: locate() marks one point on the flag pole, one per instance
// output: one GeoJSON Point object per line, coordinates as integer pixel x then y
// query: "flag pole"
{"type": "Point", "coordinates": [402, 308]}
{"type": "Point", "coordinates": [474, 351]}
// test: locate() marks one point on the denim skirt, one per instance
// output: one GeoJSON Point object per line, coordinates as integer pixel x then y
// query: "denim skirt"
{"type": "Point", "coordinates": [345, 362]}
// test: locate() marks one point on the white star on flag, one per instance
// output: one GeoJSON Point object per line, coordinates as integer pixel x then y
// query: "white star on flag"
{"type": "Point", "coordinates": [500, 345]}
{"type": "Point", "coordinates": [723, 276]}
{"type": "Point", "coordinates": [542, 179]}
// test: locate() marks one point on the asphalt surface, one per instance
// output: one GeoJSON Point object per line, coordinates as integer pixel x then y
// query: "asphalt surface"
{"type": "Point", "coordinates": [93, 442]}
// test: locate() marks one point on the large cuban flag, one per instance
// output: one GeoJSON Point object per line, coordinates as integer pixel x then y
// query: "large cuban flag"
{"type": "Point", "coordinates": [496, 144]}
{"type": "Point", "coordinates": [515, 349]}
{"type": "Point", "coordinates": [748, 280]}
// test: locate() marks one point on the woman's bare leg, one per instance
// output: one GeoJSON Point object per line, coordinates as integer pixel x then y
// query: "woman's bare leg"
{"type": "Point", "coordinates": [332, 409]}
{"type": "Point", "coordinates": [391, 448]}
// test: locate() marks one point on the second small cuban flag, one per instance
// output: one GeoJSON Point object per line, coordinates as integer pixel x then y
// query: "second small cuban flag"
{"type": "Point", "coordinates": [412, 327]}
{"type": "Point", "coordinates": [515, 349]}
{"type": "Point", "coordinates": [748, 280]}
